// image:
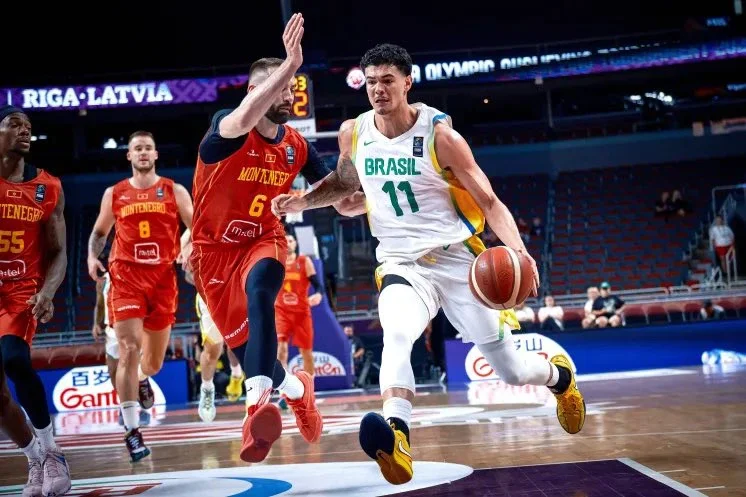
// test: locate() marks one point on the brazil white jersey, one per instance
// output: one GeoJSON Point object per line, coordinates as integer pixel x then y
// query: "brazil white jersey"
{"type": "Point", "coordinates": [414, 205]}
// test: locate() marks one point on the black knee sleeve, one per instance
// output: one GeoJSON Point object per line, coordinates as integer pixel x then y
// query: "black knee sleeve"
{"type": "Point", "coordinates": [262, 285]}
{"type": "Point", "coordinates": [16, 359]}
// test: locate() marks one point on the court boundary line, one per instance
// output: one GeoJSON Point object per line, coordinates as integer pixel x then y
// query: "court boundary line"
{"type": "Point", "coordinates": [678, 486]}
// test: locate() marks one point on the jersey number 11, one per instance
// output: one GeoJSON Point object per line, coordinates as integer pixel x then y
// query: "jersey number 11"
{"type": "Point", "coordinates": [405, 187]}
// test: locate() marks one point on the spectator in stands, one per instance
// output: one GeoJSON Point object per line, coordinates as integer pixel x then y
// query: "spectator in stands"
{"type": "Point", "coordinates": [678, 204]}
{"type": "Point", "coordinates": [664, 206]}
{"type": "Point", "coordinates": [589, 321]}
{"type": "Point", "coordinates": [608, 308]}
{"type": "Point", "coordinates": [711, 311]}
{"type": "Point", "coordinates": [721, 241]}
{"type": "Point", "coordinates": [550, 316]}
{"type": "Point", "coordinates": [537, 227]}
{"type": "Point", "coordinates": [356, 347]}
{"type": "Point", "coordinates": [525, 315]}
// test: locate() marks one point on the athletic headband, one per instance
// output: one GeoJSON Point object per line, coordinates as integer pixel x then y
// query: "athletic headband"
{"type": "Point", "coordinates": [7, 110]}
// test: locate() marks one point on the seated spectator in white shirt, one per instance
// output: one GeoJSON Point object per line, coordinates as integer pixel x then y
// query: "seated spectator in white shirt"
{"type": "Point", "coordinates": [589, 321]}
{"type": "Point", "coordinates": [525, 315]}
{"type": "Point", "coordinates": [550, 316]}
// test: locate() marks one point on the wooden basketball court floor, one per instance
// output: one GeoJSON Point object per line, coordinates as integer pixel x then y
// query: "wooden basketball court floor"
{"type": "Point", "coordinates": [656, 433]}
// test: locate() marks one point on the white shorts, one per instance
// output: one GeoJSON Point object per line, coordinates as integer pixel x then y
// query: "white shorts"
{"type": "Point", "coordinates": [440, 278]}
{"type": "Point", "coordinates": [112, 344]}
{"type": "Point", "coordinates": [210, 332]}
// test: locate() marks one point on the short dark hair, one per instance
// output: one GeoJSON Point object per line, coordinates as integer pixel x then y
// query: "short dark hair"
{"type": "Point", "coordinates": [264, 64]}
{"type": "Point", "coordinates": [388, 54]}
{"type": "Point", "coordinates": [146, 134]}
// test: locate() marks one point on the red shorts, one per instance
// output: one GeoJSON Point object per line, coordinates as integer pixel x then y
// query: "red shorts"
{"type": "Point", "coordinates": [721, 251]}
{"type": "Point", "coordinates": [220, 277]}
{"type": "Point", "coordinates": [143, 291]}
{"type": "Point", "coordinates": [297, 325]}
{"type": "Point", "coordinates": [15, 314]}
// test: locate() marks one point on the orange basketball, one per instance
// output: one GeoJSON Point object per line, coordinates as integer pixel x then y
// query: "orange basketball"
{"type": "Point", "coordinates": [501, 278]}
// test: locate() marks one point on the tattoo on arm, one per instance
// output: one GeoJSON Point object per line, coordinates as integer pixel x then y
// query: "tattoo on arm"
{"type": "Point", "coordinates": [341, 183]}
{"type": "Point", "coordinates": [96, 244]}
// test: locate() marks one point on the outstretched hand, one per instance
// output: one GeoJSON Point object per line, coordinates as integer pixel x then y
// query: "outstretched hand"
{"type": "Point", "coordinates": [291, 38]}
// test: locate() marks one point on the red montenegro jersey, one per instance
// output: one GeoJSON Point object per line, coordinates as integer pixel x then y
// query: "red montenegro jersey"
{"type": "Point", "coordinates": [233, 195]}
{"type": "Point", "coordinates": [293, 295]}
{"type": "Point", "coordinates": [24, 209]}
{"type": "Point", "coordinates": [147, 223]}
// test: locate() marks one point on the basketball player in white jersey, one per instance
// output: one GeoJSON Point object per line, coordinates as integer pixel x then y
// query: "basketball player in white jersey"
{"type": "Point", "coordinates": [212, 348]}
{"type": "Point", "coordinates": [427, 202]}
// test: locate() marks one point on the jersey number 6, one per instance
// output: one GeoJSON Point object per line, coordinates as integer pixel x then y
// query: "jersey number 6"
{"type": "Point", "coordinates": [257, 206]}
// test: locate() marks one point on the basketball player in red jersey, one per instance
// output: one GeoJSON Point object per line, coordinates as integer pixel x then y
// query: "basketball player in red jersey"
{"type": "Point", "coordinates": [33, 259]}
{"type": "Point", "coordinates": [145, 211]}
{"type": "Point", "coordinates": [247, 157]}
{"type": "Point", "coordinates": [293, 306]}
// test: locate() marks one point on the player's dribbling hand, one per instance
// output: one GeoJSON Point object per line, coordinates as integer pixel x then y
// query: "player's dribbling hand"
{"type": "Point", "coordinates": [43, 307]}
{"type": "Point", "coordinates": [287, 204]}
{"type": "Point", "coordinates": [291, 38]}
{"type": "Point", "coordinates": [535, 289]}
{"type": "Point", "coordinates": [94, 266]}
{"type": "Point", "coordinates": [314, 299]}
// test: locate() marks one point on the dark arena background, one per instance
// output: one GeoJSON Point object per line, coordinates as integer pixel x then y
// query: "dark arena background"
{"type": "Point", "coordinates": [614, 132]}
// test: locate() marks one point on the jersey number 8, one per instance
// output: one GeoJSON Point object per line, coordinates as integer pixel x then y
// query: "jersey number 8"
{"type": "Point", "coordinates": [144, 229]}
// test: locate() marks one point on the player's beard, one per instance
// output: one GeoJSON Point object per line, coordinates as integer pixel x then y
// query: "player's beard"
{"type": "Point", "coordinates": [143, 168]}
{"type": "Point", "coordinates": [278, 116]}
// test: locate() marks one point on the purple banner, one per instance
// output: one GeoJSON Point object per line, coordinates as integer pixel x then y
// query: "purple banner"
{"type": "Point", "coordinates": [167, 92]}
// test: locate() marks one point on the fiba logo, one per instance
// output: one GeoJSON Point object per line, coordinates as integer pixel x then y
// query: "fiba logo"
{"type": "Point", "coordinates": [355, 78]}
{"type": "Point", "coordinates": [477, 367]}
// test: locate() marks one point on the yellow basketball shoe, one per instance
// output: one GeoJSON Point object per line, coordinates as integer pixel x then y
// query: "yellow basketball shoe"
{"type": "Point", "coordinates": [570, 403]}
{"type": "Point", "coordinates": [235, 388]}
{"type": "Point", "coordinates": [388, 446]}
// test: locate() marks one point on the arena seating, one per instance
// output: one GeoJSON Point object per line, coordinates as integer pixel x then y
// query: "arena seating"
{"type": "Point", "coordinates": [605, 226]}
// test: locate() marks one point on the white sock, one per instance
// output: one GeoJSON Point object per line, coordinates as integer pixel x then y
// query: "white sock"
{"type": "Point", "coordinates": [130, 415]}
{"type": "Point", "coordinates": [292, 387]}
{"type": "Point", "coordinates": [33, 449]}
{"type": "Point", "coordinates": [208, 385]}
{"type": "Point", "coordinates": [236, 371]}
{"type": "Point", "coordinates": [396, 407]}
{"type": "Point", "coordinates": [46, 439]}
{"type": "Point", "coordinates": [256, 388]}
{"type": "Point", "coordinates": [553, 375]}
{"type": "Point", "coordinates": [140, 375]}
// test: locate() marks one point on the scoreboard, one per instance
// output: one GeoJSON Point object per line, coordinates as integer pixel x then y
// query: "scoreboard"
{"type": "Point", "coordinates": [302, 114]}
